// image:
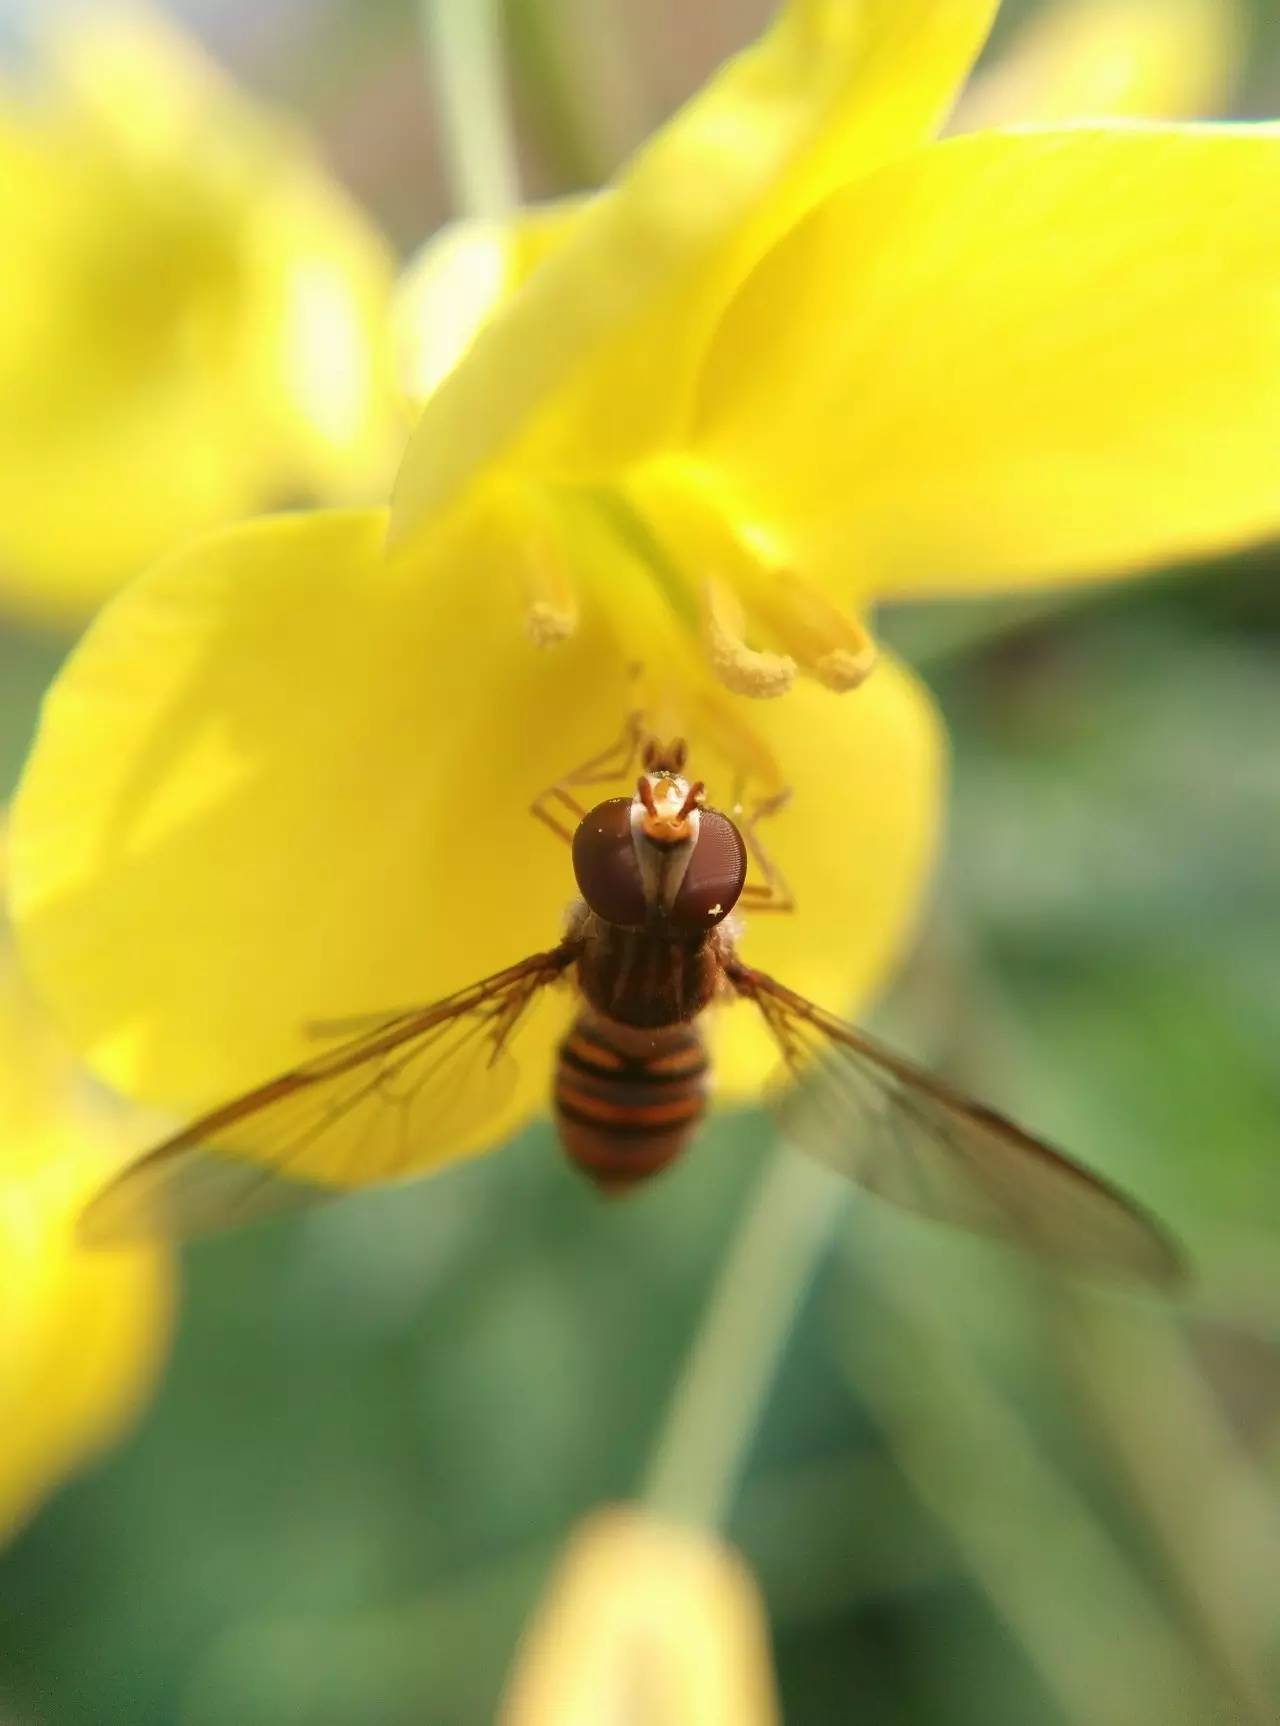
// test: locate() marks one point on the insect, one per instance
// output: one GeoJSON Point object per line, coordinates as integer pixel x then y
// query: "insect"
{"type": "Point", "coordinates": [651, 947]}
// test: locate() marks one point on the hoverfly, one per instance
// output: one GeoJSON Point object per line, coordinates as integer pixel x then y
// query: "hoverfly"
{"type": "Point", "coordinates": [651, 947]}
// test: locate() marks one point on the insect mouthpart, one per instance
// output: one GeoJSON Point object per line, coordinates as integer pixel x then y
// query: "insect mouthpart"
{"type": "Point", "coordinates": [669, 806]}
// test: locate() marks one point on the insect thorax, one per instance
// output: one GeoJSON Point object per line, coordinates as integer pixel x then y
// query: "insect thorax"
{"type": "Point", "coordinates": [647, 977]}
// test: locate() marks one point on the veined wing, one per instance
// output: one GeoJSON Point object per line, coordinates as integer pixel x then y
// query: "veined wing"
{"type": "Point", "coordinates": [910, 1138]}
{"type": "Point", "coordinates": [381, 1107]}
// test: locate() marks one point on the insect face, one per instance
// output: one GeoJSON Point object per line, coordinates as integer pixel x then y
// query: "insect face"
{"type": "Point", "coordinates": [660, 857]}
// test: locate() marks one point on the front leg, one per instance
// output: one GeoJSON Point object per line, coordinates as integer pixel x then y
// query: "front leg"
{"type": "Point", "coordinates": [772, 893]}
{"type": "Point", "coordinates": [557, 807]}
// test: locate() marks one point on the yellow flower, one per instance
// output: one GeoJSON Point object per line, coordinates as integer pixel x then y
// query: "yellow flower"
{"type": "Point", "coordinates": [82, 1333]}
{"type": "Point", "coordinates": [193, 321]}
{"type": "Point", "coordinates": [794, 358]}
{"type": "Point", "coordinates": [1136, 59]}
{"type": "Point", "coordinates": [648, 1623]}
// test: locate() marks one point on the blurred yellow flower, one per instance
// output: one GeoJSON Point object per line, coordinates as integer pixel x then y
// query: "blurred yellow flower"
{"type": "Point", "coordinates": [647, 1623]}
{"type": "Point", "coordinates": [1113, 59]}
{"type": "Point", "coordinates": [194, 316]}
{"type": "Point", "coordinates": [82, 1334]}
{"type": "Point", "coordinates": [788, 362]}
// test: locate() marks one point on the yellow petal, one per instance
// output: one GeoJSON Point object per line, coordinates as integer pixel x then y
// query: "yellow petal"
{"type": "Point", "coordinates": [1114, 59]}
{"type": "Point", "coordinates": [460, 280]}
{"type": "Point", "coordinates": [82, 1340]}
{"type": "Point", "coordinates": [273, 747]}
{"type": "Point", "coordinates": [317, 348]}
{"type": "Point", "coordinates": [82, 1334]}
{"type": "Point", "coordinates": [194, 320]}
{"type": "Point", "coordinates": [1013, 358]}
{"type": "Point", "coordinates": [855, 845]}
{"type": "Point", "coordinates": [129, 70]}
{"type": "Point", "coordinates": [834, 88]}
{"type": "Point", "coordinates": [648, 1623]}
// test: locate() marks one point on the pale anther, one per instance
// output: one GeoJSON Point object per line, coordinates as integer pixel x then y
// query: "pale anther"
{"type": "Point", "coordinates": [742, 669]}
{"type": "Point", "coordinates": [547, 625]}
{"type": "Point", "coordinates": [843, 670]}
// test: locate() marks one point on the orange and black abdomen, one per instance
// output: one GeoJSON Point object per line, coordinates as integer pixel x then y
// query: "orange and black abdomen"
{"type": "Point", "coordinates": [626, 1102]}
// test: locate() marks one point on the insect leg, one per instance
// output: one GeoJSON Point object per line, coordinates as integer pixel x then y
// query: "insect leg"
{"type": "Point", "coordinates": [772, 893]}
{"type": "Point", "coordinates": [557, 806]}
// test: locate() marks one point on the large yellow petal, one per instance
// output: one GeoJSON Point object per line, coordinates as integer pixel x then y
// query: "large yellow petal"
{"type": "Point", "coordinates": [595, 355]}
{"type": "Point", "coordinates": [1013, 358]}
{"type": "Point", "coordinates": [301, 795]}
{"type": "Point", "coordinates": [1113, 59]}
{"type": "Point", "coordinates": [856, 845]}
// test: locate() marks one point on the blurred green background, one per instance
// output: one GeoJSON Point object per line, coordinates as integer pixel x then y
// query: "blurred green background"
{"type": "Point", "coordinates": [971, 1499]}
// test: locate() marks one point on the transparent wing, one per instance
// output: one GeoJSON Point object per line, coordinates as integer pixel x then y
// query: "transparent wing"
{"type": "Point", "coordinates": [909, 1138]}
{"type": "Point", "coordinates": [381, 1107]}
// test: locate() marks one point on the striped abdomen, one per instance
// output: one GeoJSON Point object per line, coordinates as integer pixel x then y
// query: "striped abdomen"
{"type": "Point", "coordinates": [627, 1101]}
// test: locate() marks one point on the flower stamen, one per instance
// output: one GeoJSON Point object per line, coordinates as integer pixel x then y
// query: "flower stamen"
{"type": "Point", "coordinates": [749, 591]}
{"type": "Point", "coordinates": [551, 603]}
{"type": "Point", "coordinates": [742, 669]}
{"type": "Point", "coordinates": [831, 645]}
{"type": "Point", "coordinates": [520, 537]}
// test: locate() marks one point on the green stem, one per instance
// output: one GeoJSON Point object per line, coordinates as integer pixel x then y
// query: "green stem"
{"type": "Point", "coordinates": [465, 63]}
{"type": "Point", "coordinates": [575, 60]}
{"type": "Point", "coordinates": [715, 1408]}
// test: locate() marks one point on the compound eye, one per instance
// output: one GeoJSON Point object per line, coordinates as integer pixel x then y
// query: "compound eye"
{"type": "Point", "coordinates": [713, 880]}
{"type": "Point", "coordinates": [606, 865]}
